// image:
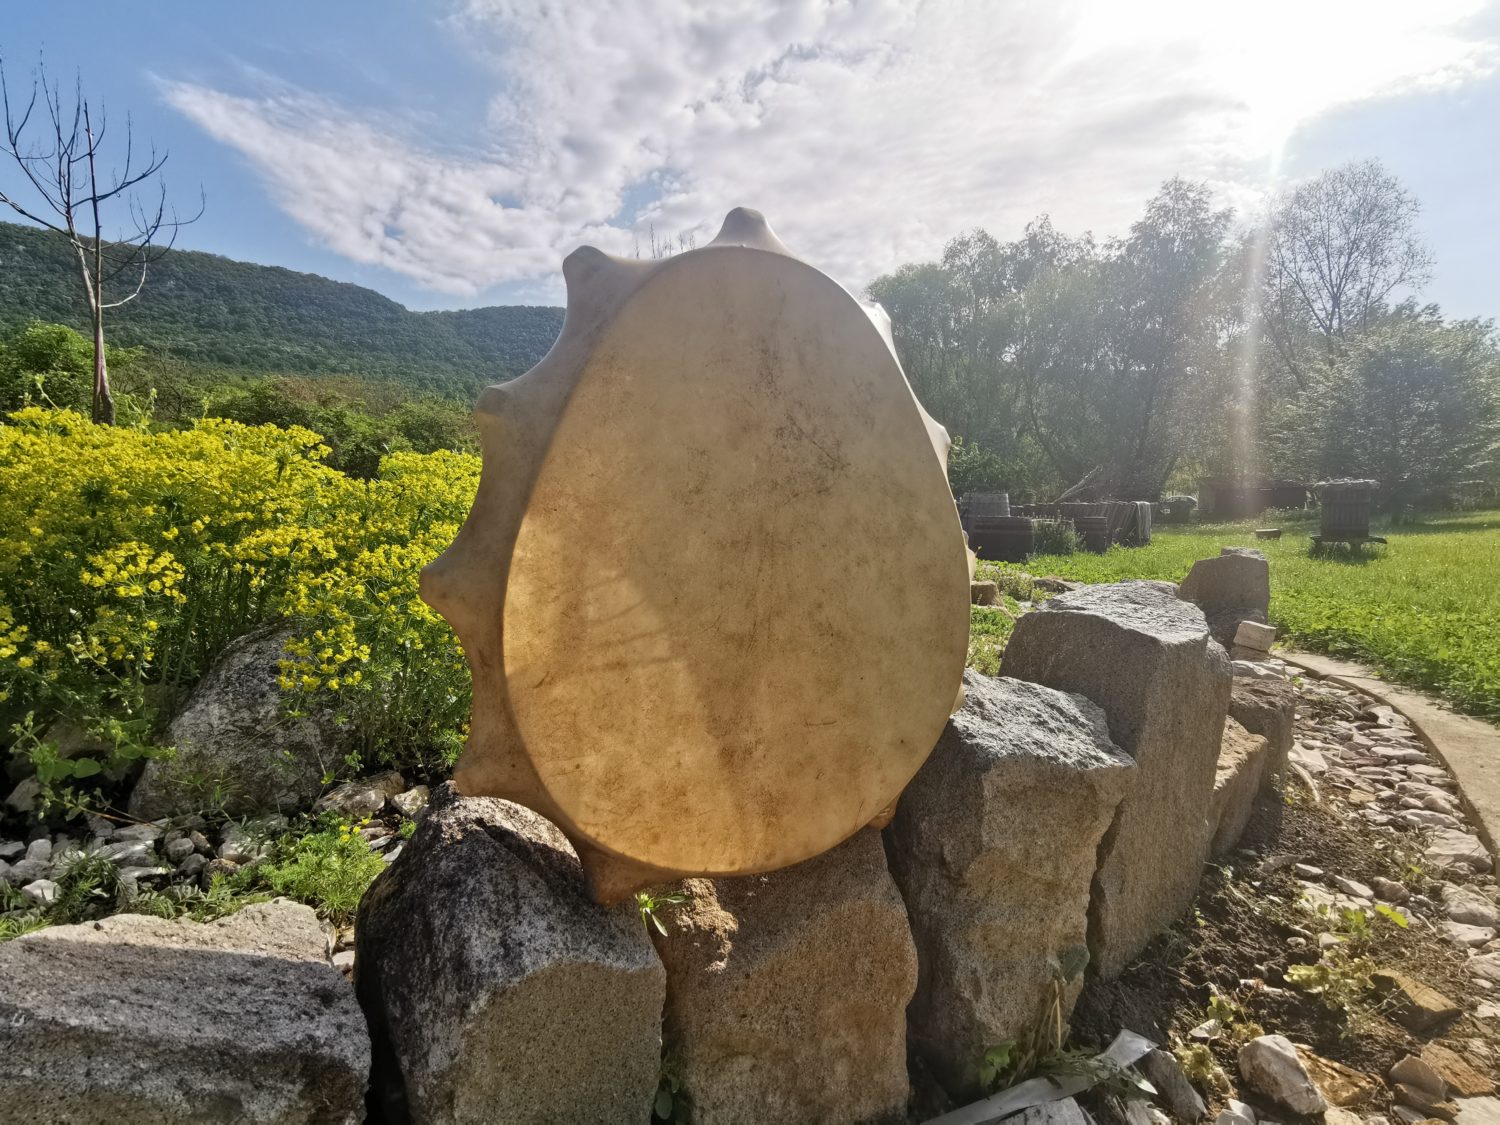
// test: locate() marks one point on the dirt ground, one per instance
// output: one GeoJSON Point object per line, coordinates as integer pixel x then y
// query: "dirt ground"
{"type": "Point", "coordinates": [1248, 928]}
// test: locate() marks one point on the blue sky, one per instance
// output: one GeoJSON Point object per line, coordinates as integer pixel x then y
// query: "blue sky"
{"type": "Point", "coordinates": [448, 153]}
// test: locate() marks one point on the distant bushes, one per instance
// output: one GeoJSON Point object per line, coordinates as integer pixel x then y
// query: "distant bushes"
{"type": "Point", "coordinates": [359, 420]}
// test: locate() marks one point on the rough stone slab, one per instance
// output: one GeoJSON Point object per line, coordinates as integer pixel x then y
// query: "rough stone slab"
{"type": "Point", "coordinates": [984, 593]}
{"type": "Point", "coordinates": [140, 1020]}
{"type": "Point", "coordinates": [994, 846]}
{"type": "Point", "coordinates": [234, 738]}
{"type": "Point", "coordinates": [1234, 587]}
{"type": "Point", "coordinates": [1267, 707]}
{"type": "Point", "coordinates": [495, 987]}
{"type": "Point", "coordinates": [1414, 1005]}
{"type": "Point", "coordinates": [1254, 636]}
{"type": "Point", "coordinates": [1243, 758]}
{"type": "Point", "coordinates": [787, 992]}
{"type": "Point", "coordinates": [1146, 658]}
{"type": "Point", "coordinates": [1478, 1111]}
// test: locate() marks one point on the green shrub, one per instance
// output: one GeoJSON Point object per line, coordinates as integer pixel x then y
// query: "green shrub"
{"type": "Point", "coordinates": [329, 868]}
{"type": "Point", "coordinates": [1055, 537]}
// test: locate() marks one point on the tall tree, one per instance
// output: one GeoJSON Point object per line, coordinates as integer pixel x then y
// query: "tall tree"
{"type": "Point", "coordinates": [62, 168]}
{"type": "Point", "coordinates": [1411, 401]}
{"type": "Point", "coordinates": [1337, 249]}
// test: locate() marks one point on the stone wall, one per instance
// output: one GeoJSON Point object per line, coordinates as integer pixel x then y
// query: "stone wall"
{"type": "Point", "coordinates": [1061, 821]}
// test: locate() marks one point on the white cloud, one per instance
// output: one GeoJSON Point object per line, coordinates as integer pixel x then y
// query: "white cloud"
{"type": "Point", "coordinates": [869, 132]}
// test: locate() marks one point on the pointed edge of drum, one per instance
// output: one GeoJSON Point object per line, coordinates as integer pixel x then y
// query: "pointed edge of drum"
{"type": "Point", "coordinates": [745, 226]}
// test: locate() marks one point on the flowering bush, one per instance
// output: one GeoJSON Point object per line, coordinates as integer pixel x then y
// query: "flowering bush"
{"type": "Point", "coordinates": [128, 559]}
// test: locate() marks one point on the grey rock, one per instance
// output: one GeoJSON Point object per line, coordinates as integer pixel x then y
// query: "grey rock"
{"type": "Point", "coordinates": [39, 850]}
{"type": "Point", "coordinates": [1163, 1071]}
{"type": "Point", "coordinates": [1243, 758]}
{"type": "Point", "coordinates": [1146, 658]}
{"type": "Point", "coordinates": [24, 796]}
{"type": "Point", "coordinates": [28, 870]}
{"type": "Point", "coordinates": [42, 892]}
{"type": "Point", "coordinates": [9, 849]}
{"type": "Point", "coordinates": [1257, 670]}
{"type": "Point", "coordinates": [148, 832]}
{"type": "Point", "coordinates": [242, 844]}
{"type": "Point", "coordinates": [364, 796]}
{"type": "Point", "coordinates": [1235, 1113]}
{"type": "Point", "coordinates": [993, 846]}
{"type": "Point", "coordinates": [4, 872]}
{"type": "Point", "coordinates": [1064, 1111]}
{"type": "Point", "coordinates": [179, 849]}
{"type": "Point", "coordinates": [788, 991]}
{"type": "Point", "coordinates": [1466, 905]}
{"type": "Point", "coordinates": [1486, 966]}
{"type": "Point", "coordinates": [343, 961]}
{"type": "Point", "coordinates": [192, 865]}
{"type": "Point", "coordinates": [130, 853]}
{"type": "Point", "coordinates": [1422, 818]}
{"type": "Point", "coordinates": [1270, 1066]}
{"type": "Point", "coordinates": [234, 734]}
{"type": "Point", "coordinates": [491, 978]}
{"type": "Point", "coordinates": [1450, 849]}
{"type": "Point", "coordinates": [1466, 936]}
{"type": "Point", "coordinates": [1231, 588]}
{"type": "Point", "coordinates": [1267, 708]}
{"type": "Point", "coordinates": [1351, 886]}
{"type": "Point", "coordinates": [139, 1020]}
{"type": "Point", "coordinates": [1388, 890]}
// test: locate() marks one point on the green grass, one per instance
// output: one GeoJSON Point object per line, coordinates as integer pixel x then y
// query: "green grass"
{"type": "Point", "coordinates": [1424, 611]}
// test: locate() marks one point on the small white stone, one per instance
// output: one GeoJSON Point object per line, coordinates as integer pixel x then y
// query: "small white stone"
{"type": "Point", "coordinates": [43, 892]}
{"type": "Point", "coordinates": [1351, 886]}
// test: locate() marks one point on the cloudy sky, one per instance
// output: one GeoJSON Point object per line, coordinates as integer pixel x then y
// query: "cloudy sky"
{"type": "Point", "coordinates": [450, 152]}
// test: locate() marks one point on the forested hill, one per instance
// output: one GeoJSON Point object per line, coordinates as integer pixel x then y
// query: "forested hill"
{"type": "Point", "coordinates": [214, 313]}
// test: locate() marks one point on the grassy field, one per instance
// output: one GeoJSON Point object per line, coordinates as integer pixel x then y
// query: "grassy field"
{"type": "Point", "coordinates": [1424, 610]}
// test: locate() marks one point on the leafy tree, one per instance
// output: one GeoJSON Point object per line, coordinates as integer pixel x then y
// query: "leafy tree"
{"type": "Point", "coordinates": [1411, 402]}
{"type": "Point", "coordinates": [50, 363]}
{"type": "Point", "coordinates": [1338, 248]}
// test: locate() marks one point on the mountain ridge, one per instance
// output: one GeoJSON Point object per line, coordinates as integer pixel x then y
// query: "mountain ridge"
{"type": "Point", "coordinates": [214, 313]}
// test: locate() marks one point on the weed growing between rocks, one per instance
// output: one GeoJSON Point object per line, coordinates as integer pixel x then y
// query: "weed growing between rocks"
{"type": "Point", "coordinates": [989, 629]}
{"type": "Point", "coordinates": [329, 867]}
{"type": "Point", "coordinates": [326, 862]}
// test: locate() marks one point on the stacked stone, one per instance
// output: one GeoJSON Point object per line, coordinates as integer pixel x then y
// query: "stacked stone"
{"type": "Point", "coordinates": [994, 846]}
{"type": "Point", "coordinates": [1144, 656]}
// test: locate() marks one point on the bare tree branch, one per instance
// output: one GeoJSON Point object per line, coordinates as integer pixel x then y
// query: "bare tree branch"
{"type": "Point", "coordinates": [63, 170]}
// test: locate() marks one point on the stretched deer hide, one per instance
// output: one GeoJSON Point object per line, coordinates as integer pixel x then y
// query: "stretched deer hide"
{"type": "Point", "coordinates": [713, 589]}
